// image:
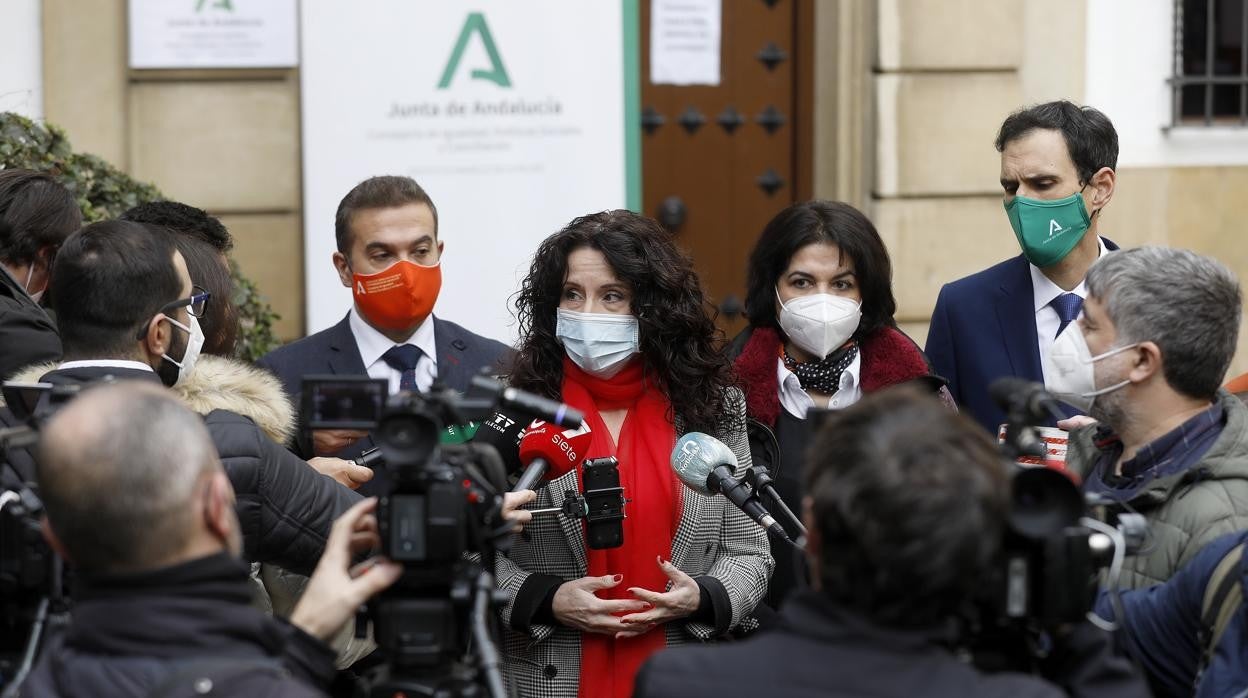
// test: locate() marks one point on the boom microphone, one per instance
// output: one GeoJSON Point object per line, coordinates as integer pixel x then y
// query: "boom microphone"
{"type": "Point", "coordinates": [1017, 396]}
{"type": "Point", "coordinates": [706, 465]}
{"type": "Point", "coordinates": [503, 431]}
{"type": "Point", "coordinates": [550, 452]}
{"type": "Point", "coordinates": [538, 406]}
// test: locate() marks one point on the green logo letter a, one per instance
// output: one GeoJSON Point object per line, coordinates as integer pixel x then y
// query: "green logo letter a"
{"type": "Point", "coordinates": [497, 74]}
{"type": "Point", "coordinates": [216, 5]}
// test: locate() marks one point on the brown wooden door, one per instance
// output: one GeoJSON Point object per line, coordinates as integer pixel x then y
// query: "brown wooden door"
{"type": "Point", "coordinates": [719, 161]}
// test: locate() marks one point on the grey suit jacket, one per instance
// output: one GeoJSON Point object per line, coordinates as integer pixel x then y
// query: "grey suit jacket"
{"type": "Point", "coordinates": [714, 539]}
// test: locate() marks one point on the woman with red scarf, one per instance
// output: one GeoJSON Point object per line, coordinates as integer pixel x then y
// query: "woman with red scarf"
{"type": "Point", "coordinates": [614, 322]}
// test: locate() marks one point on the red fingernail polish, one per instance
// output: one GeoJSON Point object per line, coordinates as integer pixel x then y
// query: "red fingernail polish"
{"type": "Point", "coordinates": [618, 577]}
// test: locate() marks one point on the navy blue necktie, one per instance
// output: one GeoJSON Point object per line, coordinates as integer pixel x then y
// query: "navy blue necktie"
{"type": "Point", "coordinates": [1067, 306]}
{"type": "Point", "coordinates": [403, 358]}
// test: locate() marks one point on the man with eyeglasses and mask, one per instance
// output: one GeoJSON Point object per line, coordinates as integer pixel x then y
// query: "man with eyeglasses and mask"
{"type": "Point", "coordinates": [1146, 360]}
{"type": "Point", "coordinates": [127, 310]}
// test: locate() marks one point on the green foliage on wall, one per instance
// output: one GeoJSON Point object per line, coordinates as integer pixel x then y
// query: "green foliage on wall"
{"type": "Point", "coordinates": [105, 192]}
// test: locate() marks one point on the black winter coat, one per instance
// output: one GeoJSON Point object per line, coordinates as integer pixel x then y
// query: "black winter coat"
{"type": "Point", "coordinates": [822, 650]}
{"type": "Point", "coordinates": [285, 507]}
{"type": "Point", "coordinates": [27, 333]}
{"type": "Point", "coordinates": [139, 635]}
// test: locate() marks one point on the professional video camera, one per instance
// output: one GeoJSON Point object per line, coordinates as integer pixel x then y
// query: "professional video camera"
{"type": "Point", "coordinates": [441, 499]}
{"type": "Point", "coordinates": [1054, 552]}
{"type": "Point", "coordinates": [33, 602]}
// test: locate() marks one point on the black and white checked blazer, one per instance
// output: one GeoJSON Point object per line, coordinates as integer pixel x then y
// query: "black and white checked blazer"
{"type": "Point", "coordinates": [714, 539]}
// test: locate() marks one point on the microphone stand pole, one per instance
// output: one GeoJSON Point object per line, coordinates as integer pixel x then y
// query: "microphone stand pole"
{"type": "Point", "coordinates": [759, 478]}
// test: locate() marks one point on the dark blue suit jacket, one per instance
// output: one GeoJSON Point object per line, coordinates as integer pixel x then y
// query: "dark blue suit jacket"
{"type": "Point", "coordinates": [983, 328]}
{"type": "Point", "coordinates": [461, 355]}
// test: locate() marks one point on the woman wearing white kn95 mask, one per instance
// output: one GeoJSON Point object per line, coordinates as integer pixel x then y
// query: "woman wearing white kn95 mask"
{"type": "Point", "coordinates": [819, 301]}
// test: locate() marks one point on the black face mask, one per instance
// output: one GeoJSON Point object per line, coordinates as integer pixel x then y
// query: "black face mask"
{"type": "Point", "coordinates": [167, 371]}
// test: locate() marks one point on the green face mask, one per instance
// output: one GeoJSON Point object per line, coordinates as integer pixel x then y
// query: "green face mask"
{"type": "Point", "coordinates": [1048, 230]}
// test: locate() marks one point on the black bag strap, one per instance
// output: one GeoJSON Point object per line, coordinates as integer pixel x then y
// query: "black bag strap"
{"type": "Point", "coordinates": [1224, 594]}
{"type": "Point", "coordinates": [202, 675]}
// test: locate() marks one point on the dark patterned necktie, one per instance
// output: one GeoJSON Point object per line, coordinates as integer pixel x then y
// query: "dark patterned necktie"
{"type": "Point", "coordinates": [403, 358]}
{"type": "Point", "coordinates": [1067, 306]}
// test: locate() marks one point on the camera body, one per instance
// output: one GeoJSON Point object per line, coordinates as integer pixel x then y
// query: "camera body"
{"type": "Point", "coordinates": [1053, 552]}
{"type": "Point", "coordinates": [32, 577]}
{"type": "Point", "coordinates": [439, 515]}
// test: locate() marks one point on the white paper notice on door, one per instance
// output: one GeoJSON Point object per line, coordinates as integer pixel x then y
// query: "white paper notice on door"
{"type": "Point", "coordinates": [684, 42]}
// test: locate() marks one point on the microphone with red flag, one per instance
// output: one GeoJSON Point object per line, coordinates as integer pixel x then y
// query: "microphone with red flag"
{"type": "Point", "coordinates": [550, 451]}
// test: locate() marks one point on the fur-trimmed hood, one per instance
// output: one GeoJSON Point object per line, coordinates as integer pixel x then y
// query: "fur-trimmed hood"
{"type": "Point", "coordinates": [219, 383]}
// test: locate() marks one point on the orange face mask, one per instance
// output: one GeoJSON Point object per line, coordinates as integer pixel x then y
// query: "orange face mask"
{"type": "Point", "coordinates": [400, 297]}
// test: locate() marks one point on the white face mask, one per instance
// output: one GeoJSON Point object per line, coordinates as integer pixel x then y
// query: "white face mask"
{"type": "Point", "coordinates": [30, 274]}
{"type": "Point", "coordinates": [600, 343]}
{"type": "Point", "coordinates": [820, 323]}
{"type": "Point", "coordinates": [1074, 376]}
{"type": "Point", "coordinates": [193, 346]}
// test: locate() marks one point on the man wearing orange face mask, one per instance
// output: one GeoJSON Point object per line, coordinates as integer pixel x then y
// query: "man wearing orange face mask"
{"type": "Point", "coordinates": [389, 256]}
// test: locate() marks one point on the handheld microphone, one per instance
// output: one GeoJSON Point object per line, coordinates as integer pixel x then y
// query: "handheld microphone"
{"type": "Point", "coordinates": [706, 465]}
{"type": "Point", "coordinates": [516, 399]}
{"type": "Point", "coordinates": [550, 452]}
{"type": "Point", "coordinates": [503, 431]}
{"type": "Point", "coordinates": [1026, 399]}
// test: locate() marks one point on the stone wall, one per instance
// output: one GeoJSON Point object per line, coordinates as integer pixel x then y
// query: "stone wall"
{"type": "Point", "coordinates": [224, 140]}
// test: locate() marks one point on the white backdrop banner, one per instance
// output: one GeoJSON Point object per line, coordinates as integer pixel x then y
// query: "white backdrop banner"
{"type": "Point", "coordinates": [510, 114]}
{"type": "Point", "coordinates": [212, 33]}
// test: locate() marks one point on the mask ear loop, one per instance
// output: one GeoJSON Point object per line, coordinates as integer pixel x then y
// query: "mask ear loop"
{"type": "Point", "coordinates": [165, 354]}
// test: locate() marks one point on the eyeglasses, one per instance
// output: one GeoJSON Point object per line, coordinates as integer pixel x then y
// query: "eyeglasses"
{"type": "Point", "coordinates": [195, 305]}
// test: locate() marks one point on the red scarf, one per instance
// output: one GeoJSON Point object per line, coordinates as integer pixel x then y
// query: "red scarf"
{"type": "Point", "coordinates": [647, 437]}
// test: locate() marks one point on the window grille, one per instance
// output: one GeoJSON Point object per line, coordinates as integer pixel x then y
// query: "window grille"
{"type": "Point", "coordinates": [1210, 83]}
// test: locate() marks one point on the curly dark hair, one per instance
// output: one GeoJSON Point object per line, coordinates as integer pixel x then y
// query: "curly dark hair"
{"type": "Point", "coordinates": [679, 338]}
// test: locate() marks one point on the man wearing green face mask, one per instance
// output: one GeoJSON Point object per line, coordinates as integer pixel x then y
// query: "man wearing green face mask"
{"type": "Point", "coordinates": [1057, 172]}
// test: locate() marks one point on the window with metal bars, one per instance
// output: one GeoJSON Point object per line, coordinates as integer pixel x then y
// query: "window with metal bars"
{"type": "Point", "coordinates": [1210, 83]}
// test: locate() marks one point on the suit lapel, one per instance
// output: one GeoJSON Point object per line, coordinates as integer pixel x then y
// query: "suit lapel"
{"type": "Point", "coordinates": [690, 514]}
{"type": "Point", "coordinates": [1017, 317]}
{"type": "Point", "coordinates": [344, 352]}
{"type": "Point", "coordinates": [450, 347]}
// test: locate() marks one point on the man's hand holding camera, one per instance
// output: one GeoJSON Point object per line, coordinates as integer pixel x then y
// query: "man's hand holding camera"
{"type": "Point", "coordinates": [336, 589]}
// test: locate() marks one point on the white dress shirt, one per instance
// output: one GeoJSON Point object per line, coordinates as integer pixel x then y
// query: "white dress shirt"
{"type": "Point", "coordinates": [797, 401]}
{"type": "Point", "coordinates": [373, 345]}
{"type": "Point", "coordinates": [106, 363]}
{"type": "Point", "coordinates": [1047, 319]}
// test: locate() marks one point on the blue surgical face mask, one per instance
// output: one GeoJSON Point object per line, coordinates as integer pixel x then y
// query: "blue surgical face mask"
{"type": "Point", "coordinates": [600, 343]}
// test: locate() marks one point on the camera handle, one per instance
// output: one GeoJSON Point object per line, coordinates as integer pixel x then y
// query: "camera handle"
{"type": "Point", "coordinates": [576, 506]}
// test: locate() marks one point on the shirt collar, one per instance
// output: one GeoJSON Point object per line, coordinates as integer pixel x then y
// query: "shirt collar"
{"type": "Point", "coordinates": [790, 385]}
{"type": "Point", "coordinates": [372, 344]}
{"type": "Point", "coordinates": [1045, 290]}
{"type": "Point", "coordinates": [106, 363]}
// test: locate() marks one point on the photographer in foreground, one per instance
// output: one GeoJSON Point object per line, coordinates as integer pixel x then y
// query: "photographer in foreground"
{"type": "Point", "coordinates": [906, 508]}
{"type": "Point", "coordinates": [138, 502]}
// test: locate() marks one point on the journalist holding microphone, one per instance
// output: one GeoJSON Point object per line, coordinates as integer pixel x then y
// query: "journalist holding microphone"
{"type": "Point", "coordinates": [614, 322]}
